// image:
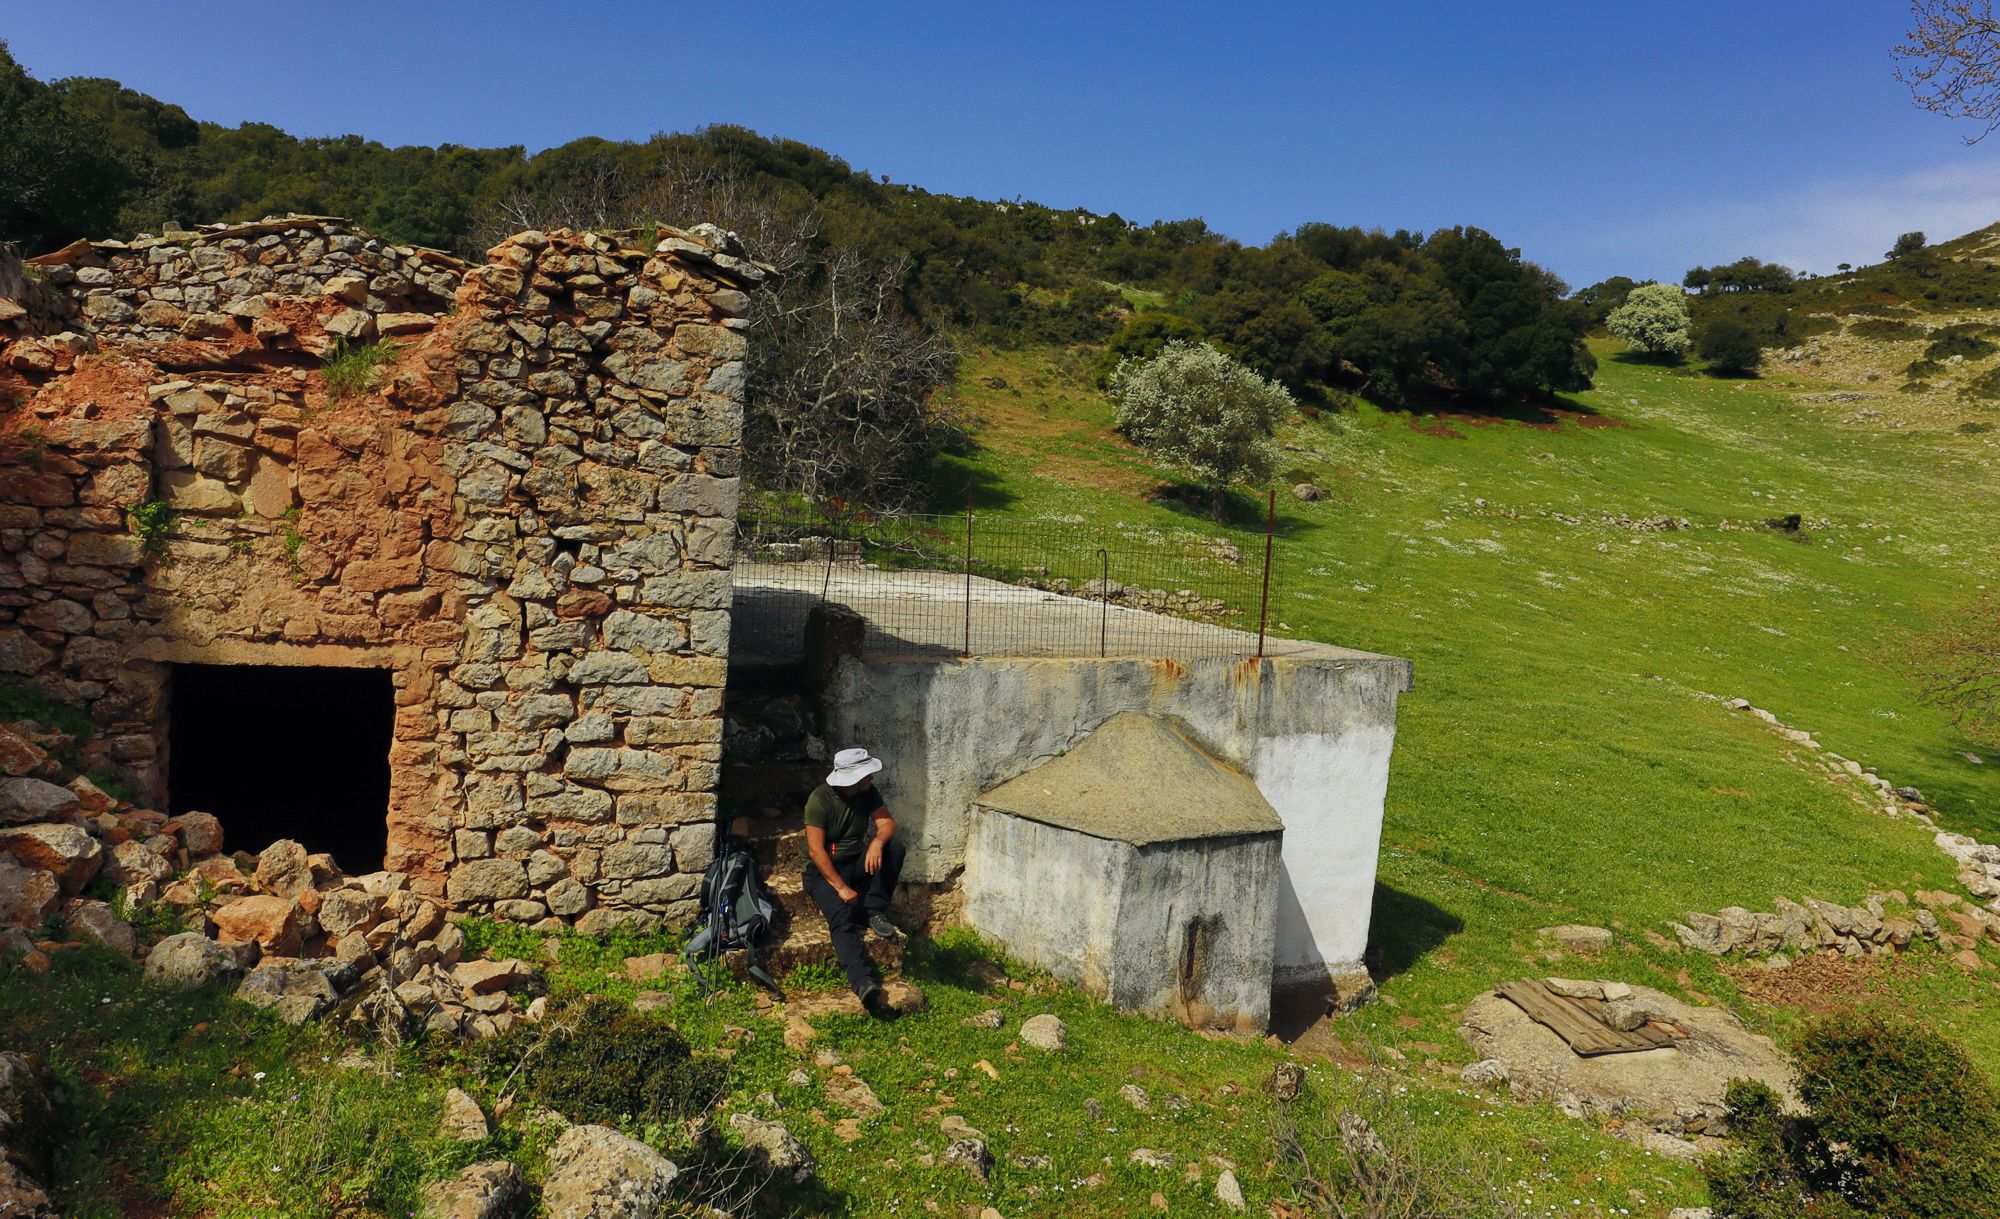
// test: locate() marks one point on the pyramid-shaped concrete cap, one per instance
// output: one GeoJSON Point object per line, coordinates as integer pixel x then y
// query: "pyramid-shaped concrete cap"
{"type": "Point", "coordinates": [1136, 779]}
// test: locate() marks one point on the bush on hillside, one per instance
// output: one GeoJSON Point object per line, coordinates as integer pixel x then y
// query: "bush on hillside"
{"type": "Point", "coordinates": [1730, 348]}
{"type": "Point", "coordinates": [1965, 339]}
{"type": "Point", "coordinates": [1654, 320]}
{"type": "Point", "coordinates": [1898, 1123]}
{"type": "Point", "coordinates": [1142, 338]}
{"type": "Point", "coordinates": [599, 1061]}
{"type": "Point", "coordinates": [1881, 328]}
{"type": "Point", "coordinates": [1908, 243]}
{"type": "Point", "coordinates": [1200, 410]}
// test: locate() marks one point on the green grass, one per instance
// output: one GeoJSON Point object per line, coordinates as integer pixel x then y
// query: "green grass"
{"type": "Point", "coordinates": [352, 368]}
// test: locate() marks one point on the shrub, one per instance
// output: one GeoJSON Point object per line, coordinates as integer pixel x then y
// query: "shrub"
{"type": "Point", "coordinates": [1898, 1123]}
{"type": "Point", "coordinates": [1983, 388]}
{"type": "Point", "coordinates": [1197, 408]}
{"type": "Point", "coordinates": [151, 521]}
{"type": "Point", "coordinates": [1962, 340]}
{"type": "Point", "coordinates": [1654, 320]}
{"type": "Point", "coordinates": [1730, 348]}
{"type": "Point", "coordinates": [1880, 328]}
{"type": "Point", "coordinates": [599, 1061]}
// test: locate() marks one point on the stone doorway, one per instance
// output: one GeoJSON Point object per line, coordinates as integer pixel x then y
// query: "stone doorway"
{"type": "Point", "coordinates": [281, 751]}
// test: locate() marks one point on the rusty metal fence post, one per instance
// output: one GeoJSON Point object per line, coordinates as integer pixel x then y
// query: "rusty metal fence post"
{"type": "Point", "coordinates": [968, 574]}
{"type": "Point", "coordinates": [1264, 606]}
{"type": "Point", "coordinates": [1104, 593]}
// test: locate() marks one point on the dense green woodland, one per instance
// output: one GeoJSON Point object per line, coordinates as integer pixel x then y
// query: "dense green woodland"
{"type": "Point", "coordinates": [1455, 311]}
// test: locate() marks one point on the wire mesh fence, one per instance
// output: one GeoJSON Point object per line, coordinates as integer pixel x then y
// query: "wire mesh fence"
{"type": "Point", "coordinates": [971, 584]}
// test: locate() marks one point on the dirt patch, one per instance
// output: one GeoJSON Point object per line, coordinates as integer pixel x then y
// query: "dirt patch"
{"type": "Point", "coordinates": [1819, 984]}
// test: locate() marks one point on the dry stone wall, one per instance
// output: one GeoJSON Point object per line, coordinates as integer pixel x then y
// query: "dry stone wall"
{"type": "Point", "coordinates": [525, 514]}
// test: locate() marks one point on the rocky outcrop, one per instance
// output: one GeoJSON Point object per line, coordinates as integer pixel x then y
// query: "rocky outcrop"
{"type": "Point", "coordinates": [1884, 923]}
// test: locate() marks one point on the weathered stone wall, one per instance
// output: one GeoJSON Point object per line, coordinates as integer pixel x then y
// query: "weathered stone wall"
{"type": "Point", "coordinates": [527, 519]}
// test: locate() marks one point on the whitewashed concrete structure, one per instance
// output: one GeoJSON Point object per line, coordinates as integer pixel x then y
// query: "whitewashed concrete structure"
{"type": "Point", "coordinates": [1138, 868]}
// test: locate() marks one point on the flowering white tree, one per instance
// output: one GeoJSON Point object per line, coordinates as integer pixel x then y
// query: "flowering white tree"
{"type": "Point", "coordinates": [1654, 319]}
{"type": "Point", "coordinates": [1198, 409]}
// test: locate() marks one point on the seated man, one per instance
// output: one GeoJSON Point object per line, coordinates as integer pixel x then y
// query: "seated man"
{"type": "Point", "coordinates": [852, 862]}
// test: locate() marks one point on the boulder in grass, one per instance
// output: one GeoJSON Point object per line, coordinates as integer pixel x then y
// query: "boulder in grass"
{"type": "Point", "coordinates": [93, 920]}
{"type": "Point", "coordinates": [773, 1149]}
{"type": "Point", "coordinates": [190, 959]}
{"type": "Point", "coordinates": [597, 1173]}
{"type": "Point", "coordinates": [491, 1189]}
{"type": "Point", "coordinates": [1045, 1033]}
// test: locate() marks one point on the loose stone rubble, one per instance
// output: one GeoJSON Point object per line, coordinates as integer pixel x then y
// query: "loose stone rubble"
{"type": "Point", "coordinates": [528, 521]}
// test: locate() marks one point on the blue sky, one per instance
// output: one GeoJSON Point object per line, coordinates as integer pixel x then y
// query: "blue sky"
{"type": "Point", "coordinates": [1600, 138]}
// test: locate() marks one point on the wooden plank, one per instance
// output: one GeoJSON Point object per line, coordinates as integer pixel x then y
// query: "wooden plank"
{"type": "Point", "coordinates": [1569, 1020]}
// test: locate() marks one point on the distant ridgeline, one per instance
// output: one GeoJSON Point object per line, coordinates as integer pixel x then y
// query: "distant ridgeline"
{"type": "Point", "coordinates": [1455, 311]}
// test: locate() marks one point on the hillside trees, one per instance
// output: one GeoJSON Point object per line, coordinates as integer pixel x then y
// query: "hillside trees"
{"type": "Point", "coordinates": [1399, 326]}
{"type": "Point", "coordinates": [1196, 408]}
{"type": "Point", "coordinates": [1522, 337]}
{"type": "Point", "coordinates": [1906, 244]}
{"type": "Point", "coordinates": [1730, 347]}
{"type": "Point", "coordinates": [1654, 320]}
{"type": "Point", "coordinates": [59, 177]}
{"type": "Point", "coordinates": [1746, 274]}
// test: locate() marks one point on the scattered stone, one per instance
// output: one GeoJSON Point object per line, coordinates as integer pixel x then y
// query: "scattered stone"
{"type": "Point", "coordinates": [1485, 1071]}
{"type": "Point", "coordinates": [67, 852]}
{"type": "Point", "coordinates": [491, 1189]}
{"type": "Point", "coordinates": [773, 1149]}
{"type": "Point", "coordinates": [283, 869]}
{"type": "Point", "coordinates": [294, 991]}
{"type": "Point", "coordinates": [1625, 1015]}
{"type": "Point", "coordinates": [1046, 1033]}
{"type": "Point", "coordinates": [955, 1127]}
{"type": "Point", "coordinates": [463, 1119]}
{"type": "Point", "coordinates": [1575, 937]}
{"type": "Point", "coordinates": [1288, 1079]}
{"type": "Point", "coordinates": [25, 800]}
{"type": "Point", "coordinates": [1135, 1096]}
{"type": "Point", "coordinates": [27, 895]}
{"type": "Point", "coordinates": [597, 1173]}
{"type": "Point", "coordinates": [971, 1155]}
{"type": "Point", "coordinates": [991, 1018]}
{"type": "Point", "coordinates": [1228, 1192]}
{"type": "Point", "coordinates": [1149, 1158]}
{"type": "Point", "coordinates": [853, 1094]}
{"type": "Point", "coordinates": [190, 959]}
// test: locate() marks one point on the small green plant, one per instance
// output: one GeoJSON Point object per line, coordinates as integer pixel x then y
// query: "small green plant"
{"type": "Point", "coordinates": [648, 236]}
{"type": "Point", "coordinates": [351, 368]}
{"type": "Point", "coordinates": [1972, 427]}
{"type": "Point", "coordinates": [152, 521]}
{"type": "Point", "coordinates": [499, 941]}
{"type": "Point", "coordinates": [34, 447]}
{"type": "Point", "coordinates": [813, 977]}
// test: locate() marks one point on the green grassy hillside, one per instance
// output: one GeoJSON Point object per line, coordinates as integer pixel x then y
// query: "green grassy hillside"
{"type": "Point", "coordinates": [1565, 756]}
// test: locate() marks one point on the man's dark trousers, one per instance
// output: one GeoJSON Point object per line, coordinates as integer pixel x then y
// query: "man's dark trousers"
{"type": "Point", "coordinates": [848, 920]}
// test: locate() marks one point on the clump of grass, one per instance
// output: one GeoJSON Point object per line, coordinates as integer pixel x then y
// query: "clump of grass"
{"type": "Point", "coordinates": [648, 236]}
{"type": "Point", "coordinates": [152, 521]}
{"type": "Point", "coordinates": [1880, 328]}
{"type": "Point", "coordinates": [813, 977]}
{"type": "Point", "coordinates": [351, 368]}
{"type": "Point", "coordinates": [19, 701]}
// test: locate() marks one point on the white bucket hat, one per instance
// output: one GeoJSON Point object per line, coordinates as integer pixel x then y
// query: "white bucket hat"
{"type": "Point", "coordinates": [850, 766]}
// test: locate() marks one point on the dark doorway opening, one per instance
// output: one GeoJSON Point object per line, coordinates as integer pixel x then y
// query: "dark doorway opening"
{"type": "Point", "coordinates": [275, 751]}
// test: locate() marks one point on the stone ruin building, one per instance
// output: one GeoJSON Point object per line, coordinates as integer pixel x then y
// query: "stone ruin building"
{"type": "Point", "coordinates": [476, 519]}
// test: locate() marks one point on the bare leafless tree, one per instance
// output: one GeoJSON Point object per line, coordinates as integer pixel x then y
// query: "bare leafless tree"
{"type": "Point", "coordinates": [843, 400]}
{"type": "Point", "coordinates": [843, 387]}
{"type": "Point", "coordinates": [1951, 61]}
{"type": "Point", "coordinates": [1956, 662]}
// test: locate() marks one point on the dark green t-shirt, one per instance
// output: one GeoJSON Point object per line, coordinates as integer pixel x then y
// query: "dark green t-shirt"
{"type": "Point", "coordinates": [847, 820]}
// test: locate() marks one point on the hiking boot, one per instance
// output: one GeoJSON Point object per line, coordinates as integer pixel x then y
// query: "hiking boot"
{"type": "Point", "coordinates": [875, 1001]}
{"type": "Point", "coordinates": [883, 929]}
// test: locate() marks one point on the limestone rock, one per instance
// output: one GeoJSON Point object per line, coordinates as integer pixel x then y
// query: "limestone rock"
{"type": "Point", "coordinates": [190, 959]}
{"type": "Point", "coordinates": [27, 895]}
{"type": "Point", "coordinates": [23, 800]}
{"type": "Point", "coordinates": [597, 1173]}
{"type": "Point", "coordinates": [463, 1119]}
{"type": "Point", "coordinates": [200, 833]}
{"type": "Point", "coordinates": [1228, 1192]}
{"type": "Point", "coordinates": [1575, 937]}
{"type": "Point", "coordinates": [853, 1094]}
{"type": "Point", "coordinates": [1046, 1033]}
{"type": "Point", "coordinates": [283, 869]}
{"type": "Point", "coordinates": [272, 923]}
{"type": "Point", "coordinates": [94, 920]}
{"type": "Point", "coordinates": [18, 756]}
{"type": "Point", "coordinates": [972, 1156]}
{"type": "Point", "coordinates": [67, 852]}
{"type": "Point", "coordinates": [491, 1189]}
{"type": "Point", "coordinates": [294, 992]}
{"type": "Point", "coordinates": [1135, 1096]}
{"type": "Point", "coordinates": [773, 1149]}
{"type": "Point", "coordinates": [1288, 1079]}
{"type": "Point", "coordinates": [1485, 1071]}
{"type": "Point", "coordinates": [130, 862]}
{"type": "Point", "coordinates": [991, 1018]}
